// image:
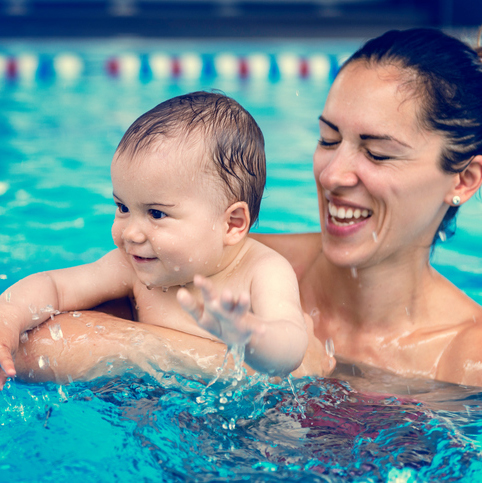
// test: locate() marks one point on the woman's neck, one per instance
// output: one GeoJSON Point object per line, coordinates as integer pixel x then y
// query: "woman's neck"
{"type": "Point", "coordinates": [390, 294]}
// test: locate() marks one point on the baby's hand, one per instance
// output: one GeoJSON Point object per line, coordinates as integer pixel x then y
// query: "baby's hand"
{"type": "Point", "coordinates": [223, 316]}
{"type": "Point", "coordinates": [9, 340]}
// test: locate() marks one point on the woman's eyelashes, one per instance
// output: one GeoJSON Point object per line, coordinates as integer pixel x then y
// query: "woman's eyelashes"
{"type": "Point", "coordinates": [372, 156]}
{"type": "Point", "coordinates": [376, 157]}
{"type": "Point", "coordinates": [326, 144]}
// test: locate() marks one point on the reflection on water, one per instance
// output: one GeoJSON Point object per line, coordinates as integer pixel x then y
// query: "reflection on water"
{"type": "Point", "coordinates": [377, 427]}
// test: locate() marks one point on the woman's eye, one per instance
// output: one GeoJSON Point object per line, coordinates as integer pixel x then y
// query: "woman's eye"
{"type": "Point", "coordinates": [157, 214]}
{"type": "Point", "coordinates": [375, 157]}
{"type": "Point", "coordinates": [324, 143]}
{"type": "Point", "coordinates": [122, 208]}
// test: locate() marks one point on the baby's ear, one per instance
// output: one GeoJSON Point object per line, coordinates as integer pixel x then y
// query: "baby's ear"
{"type": "Point", "coordinates": [237, 218]}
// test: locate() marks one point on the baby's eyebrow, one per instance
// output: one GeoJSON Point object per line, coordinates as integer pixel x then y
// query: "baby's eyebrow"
{"type": "Point", "coordinates": [166, 205]}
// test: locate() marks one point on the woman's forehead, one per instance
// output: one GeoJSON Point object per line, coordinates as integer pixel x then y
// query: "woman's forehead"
{"type": "Point", "coordinates": [372, 96]}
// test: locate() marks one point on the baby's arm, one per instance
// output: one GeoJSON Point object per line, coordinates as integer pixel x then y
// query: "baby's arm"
{"type": "Point", "coordinates": [273, 330]}
{"type": "Point", "coordinates": [32, 300]}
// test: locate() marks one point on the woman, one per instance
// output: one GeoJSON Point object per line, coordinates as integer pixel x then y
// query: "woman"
{"type": "Point", "coordinates": [399, 152]}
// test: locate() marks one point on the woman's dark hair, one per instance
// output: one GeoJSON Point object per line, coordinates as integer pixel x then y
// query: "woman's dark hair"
{"type": "Point", "coordinates": [447, 76]}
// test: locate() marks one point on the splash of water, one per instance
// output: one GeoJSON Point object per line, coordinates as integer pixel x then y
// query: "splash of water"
{"type": "Point", "coordinates": [56, 332]}
{"type": "Point", "coordinates": [297, 400]}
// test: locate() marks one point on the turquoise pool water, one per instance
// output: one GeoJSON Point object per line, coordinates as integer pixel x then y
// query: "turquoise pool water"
{"type": "Point", "coordinates": [64, 109]}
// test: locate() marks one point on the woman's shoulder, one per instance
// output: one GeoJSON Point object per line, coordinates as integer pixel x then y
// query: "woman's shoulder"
{"type": "Point", "coordinates": [461, 361]}
{"type": "Point", "coordinates": [299, 249]}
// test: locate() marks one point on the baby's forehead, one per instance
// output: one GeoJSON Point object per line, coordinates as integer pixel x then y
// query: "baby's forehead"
{"type": "Point", "coordinates": [179, 155]}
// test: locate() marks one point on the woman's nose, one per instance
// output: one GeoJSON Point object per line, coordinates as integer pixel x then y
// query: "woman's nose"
{"type": "Point", "coordinates": [336, 168]}
{"type": "Point", "coordinates": [133, 232]}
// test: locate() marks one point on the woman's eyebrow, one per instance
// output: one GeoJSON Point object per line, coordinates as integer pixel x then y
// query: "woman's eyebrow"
{"type": "Point", "coordinates": [332, 126]}
{"type": "Point", "coordinates": [383, 138]}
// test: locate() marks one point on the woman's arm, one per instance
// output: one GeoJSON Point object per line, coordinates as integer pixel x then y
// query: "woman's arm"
{"type": "Point", "coordinates": [97, 344]}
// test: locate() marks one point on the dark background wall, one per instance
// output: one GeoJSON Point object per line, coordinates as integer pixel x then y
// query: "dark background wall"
{"type": "Point", "coordinates": [229, 18]}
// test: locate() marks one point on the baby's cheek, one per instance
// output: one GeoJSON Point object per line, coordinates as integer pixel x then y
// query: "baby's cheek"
{"type": "Point", "coordinates": [116, 232]}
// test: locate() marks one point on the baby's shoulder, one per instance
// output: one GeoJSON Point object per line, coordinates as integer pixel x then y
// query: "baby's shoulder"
{"type": "Point", "coordinates": [264, 261]}
{"type": "Point", "coordinates": [261, 253]}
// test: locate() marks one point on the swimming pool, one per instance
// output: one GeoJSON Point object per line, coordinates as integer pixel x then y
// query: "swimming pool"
{"type": "Point", "coordinates": [64, 109]}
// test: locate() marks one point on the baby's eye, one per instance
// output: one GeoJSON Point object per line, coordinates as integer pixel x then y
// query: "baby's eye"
{"type": "Point", "coordinates": [122, 208]}
{"type": "Point", "coordinates": [157, 214]}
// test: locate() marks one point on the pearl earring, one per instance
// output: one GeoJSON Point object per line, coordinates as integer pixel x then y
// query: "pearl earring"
{"type": "Point", "coordinates": [456, 200]}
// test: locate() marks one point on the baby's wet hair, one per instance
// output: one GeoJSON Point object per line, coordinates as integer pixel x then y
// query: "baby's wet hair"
{"type": "Point", "coordinates": [233, 140]}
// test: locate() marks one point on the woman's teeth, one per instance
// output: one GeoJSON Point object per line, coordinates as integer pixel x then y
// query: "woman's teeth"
{"type": "Point", "coordinates": [347, 216]}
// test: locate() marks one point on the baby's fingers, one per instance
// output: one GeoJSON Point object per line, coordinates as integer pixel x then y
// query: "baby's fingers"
{"type": "Point", "coordinates": [6, 362]}
{"type": "Point", "coordinates": [206, 288]}
{"type": "Point", "coordinates": [189, 304]}
{"type": "Point", "coordinates": [236, 307]}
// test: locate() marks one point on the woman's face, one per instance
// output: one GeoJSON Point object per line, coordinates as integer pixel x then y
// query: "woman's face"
{"type": "Point", "coordinates": [382, 194]}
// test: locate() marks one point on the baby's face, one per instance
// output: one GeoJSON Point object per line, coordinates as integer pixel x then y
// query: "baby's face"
{"type": "Point", "coordinates": [170, 217]}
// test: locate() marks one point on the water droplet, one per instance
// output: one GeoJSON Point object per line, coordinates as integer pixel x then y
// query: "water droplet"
{"type": "Point", "coordinates": [8, 296]}
{"type": "Point", "coordinates": [407, 312]}
{"type": "Point", "coordinates": [43, 362]}
{"type": "Point", "coordinates": [329, 347]}
{"type": "Point", "coordinates": [31, 373]}
{"type": "Point", "coordinates": [48, 310]}
{"type": "Point", "coordinates": [176, 268]}
{"type": "Point", "coordinates": [56, 332]}
{"type": "Point", "coordinates": [354, 272]}
{"type": "Point", "coordinates": [190, 259]}
{"type": "Point", "coordinates": [442, 235]}
{"type": "Point", "coordinates": [3, 276]}
{"type": "Point", "coordinates": [374, 236]}
{"type": "Point", "coordinates": [99, 328]}
{"type": "Point", "coordinates": [165, 289]}
{"type": "Point", "coordinates": [232, 425]}
{"type": "Point", "coordinates": [69, 377]}
{"type": "Point", "coordinates": [76, 314]}
{"type": "Point", "coordinates": [200, 400]}
{"type": "Point", "coordinates": [24, 337]}
{"type": "Point", "coordinates": [223, 400]}
{"type": "Point", "coordinates": [315, 311]}
{"type": "Point", "coordinates": [35, 316]}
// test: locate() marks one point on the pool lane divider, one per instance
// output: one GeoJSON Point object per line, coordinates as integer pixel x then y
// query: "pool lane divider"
{"type": "Point", "coordinates": [166, 66]}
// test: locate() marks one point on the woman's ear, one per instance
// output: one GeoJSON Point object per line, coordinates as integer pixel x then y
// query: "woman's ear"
{"type": "Point", "coordinates": [467, 182]}
{"type": "Point", "coordinates": [237, 218]}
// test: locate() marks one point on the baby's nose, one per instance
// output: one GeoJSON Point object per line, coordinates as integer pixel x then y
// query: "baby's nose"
{"type": "Point", "coordinates": [134, 233]}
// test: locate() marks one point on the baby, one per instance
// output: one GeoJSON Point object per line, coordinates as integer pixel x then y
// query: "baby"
{"type": "Point", "coordinates": [188, 178]}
